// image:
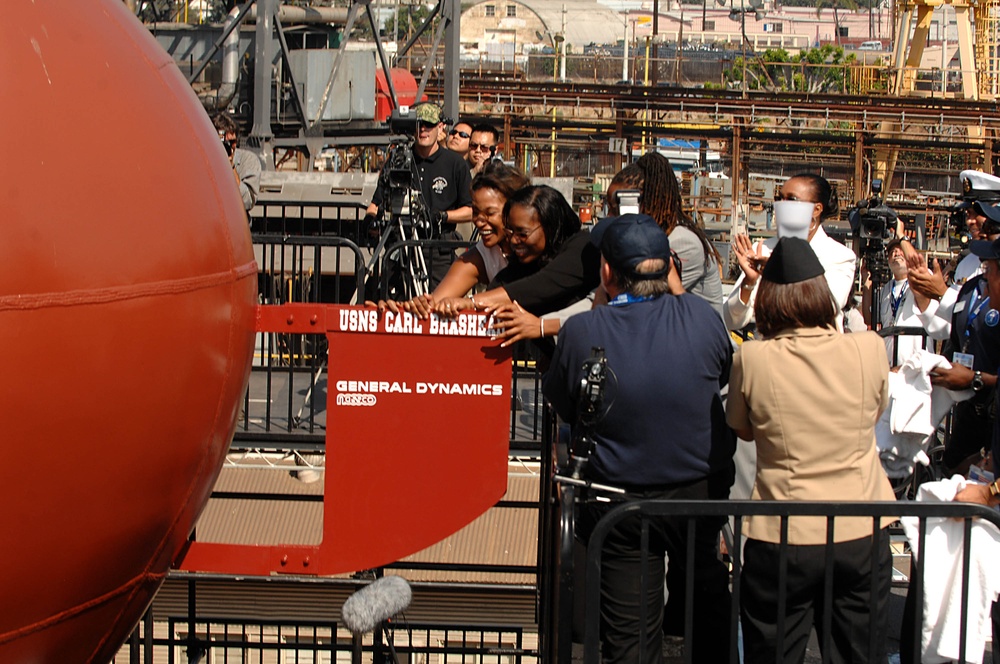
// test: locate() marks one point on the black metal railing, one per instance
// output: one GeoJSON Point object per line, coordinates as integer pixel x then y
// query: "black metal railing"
{"type": "Point", "coordinates": [560, 583]}
{"type": "Point", "coordinates": [200, 638]}
{"type": "Point", "coordinates": [309, 218]}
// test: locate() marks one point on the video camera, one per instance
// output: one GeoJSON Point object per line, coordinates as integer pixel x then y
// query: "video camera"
{"type": "Point", "coordinates": [401, 183]}
{"type": "Point", "coordinates": [872, 222]}
{"type": "Point", "coordinates": [588, 411]}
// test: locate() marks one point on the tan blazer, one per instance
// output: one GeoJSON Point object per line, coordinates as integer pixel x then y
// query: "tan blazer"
{"type": "Point", "coordinates": [812, 397]}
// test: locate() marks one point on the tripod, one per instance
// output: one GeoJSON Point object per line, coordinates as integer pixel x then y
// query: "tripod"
{"type": "Point", "coordinates": [405, 218]}
{"type": "Point", "coordinates": [411, 275]}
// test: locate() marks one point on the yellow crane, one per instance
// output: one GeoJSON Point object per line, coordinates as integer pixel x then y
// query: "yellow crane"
{"type": "Point", "coordinates": [976, 25]}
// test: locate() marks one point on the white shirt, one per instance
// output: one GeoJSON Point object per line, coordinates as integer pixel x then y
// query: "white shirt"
{"type": "Point", "coordinates": [838, 263]}
{"type": "Point", "coordinates": [967, 268]}
{"type": "Point", "coordinates": [493, 259]}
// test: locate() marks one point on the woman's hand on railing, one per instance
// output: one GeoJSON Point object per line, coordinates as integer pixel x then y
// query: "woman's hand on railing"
{"type": "Point", "coordinates": [450, 306]}
{"type": "Point", "coordinates": [421, 305]}
{"type": "Point", "coordinates": [385, 305]}
{"type": "Point", "coordinates": [514, 323]}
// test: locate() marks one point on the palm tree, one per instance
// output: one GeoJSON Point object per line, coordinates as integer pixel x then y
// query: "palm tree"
{"type": "Point", "coordinates": [836, 5]}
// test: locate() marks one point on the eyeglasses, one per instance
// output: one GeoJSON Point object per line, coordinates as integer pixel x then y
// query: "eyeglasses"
{"type": "Point", "coordinates": [482, 147]}
{"type": "Point", "coordinates": [778, 196]}
{"type": "Point", "coordinates": [520, 235]}
{"type": "Point", "coordinates": [455, 132]}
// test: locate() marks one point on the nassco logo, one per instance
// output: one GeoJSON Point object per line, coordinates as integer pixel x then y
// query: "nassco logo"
{"type": "Point", "coordinates": [356, 400]}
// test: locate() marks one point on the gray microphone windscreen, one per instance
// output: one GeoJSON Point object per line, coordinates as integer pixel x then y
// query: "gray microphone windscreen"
{"type": "Point", "coordinates": [379, 600]}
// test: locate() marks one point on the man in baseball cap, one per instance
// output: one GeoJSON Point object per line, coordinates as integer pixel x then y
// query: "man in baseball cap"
{"type": "Point", "coordinates": [630, 241]}
{"type": "Point", "coordinates": [445, 184]}
{"type": "Point", "coordinates": [662, 434]}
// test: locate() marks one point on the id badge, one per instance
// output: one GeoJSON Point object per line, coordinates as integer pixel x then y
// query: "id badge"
{"type": "Point", "coordinates": [965, 359]}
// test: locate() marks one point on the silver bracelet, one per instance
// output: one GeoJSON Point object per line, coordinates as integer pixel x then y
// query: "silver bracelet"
{"type": "Point", "coordinates": [541, 327]}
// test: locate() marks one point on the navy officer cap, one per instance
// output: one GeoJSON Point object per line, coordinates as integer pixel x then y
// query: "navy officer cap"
{"type": "Point", "coordinates": [792, 261]}
{"type": "Point", "coordinates": [629, 239]}
{"type": "Point", "coordinates": [976, 184]}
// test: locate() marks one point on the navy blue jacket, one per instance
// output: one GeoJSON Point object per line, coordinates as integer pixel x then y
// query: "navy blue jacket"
{"type": "Point", "coordinates": [667, 359]}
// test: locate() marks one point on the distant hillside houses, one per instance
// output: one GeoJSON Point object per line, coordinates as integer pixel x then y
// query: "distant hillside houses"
{"type": "Point", "coordinates": [503, 28]}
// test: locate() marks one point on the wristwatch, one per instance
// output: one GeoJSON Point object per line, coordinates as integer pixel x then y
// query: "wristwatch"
{"type": "Point", "coordinates": [994, 490]}
{"type": "Point", "coordinates": [977, 381]}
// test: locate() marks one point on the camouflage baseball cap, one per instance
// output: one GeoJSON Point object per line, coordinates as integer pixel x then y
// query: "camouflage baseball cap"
{"type": "Point", "coordinates": [428, 112]}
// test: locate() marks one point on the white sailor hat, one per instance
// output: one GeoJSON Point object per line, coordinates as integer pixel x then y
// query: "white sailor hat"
{"type": "Point", "coordinates": [976, 184]}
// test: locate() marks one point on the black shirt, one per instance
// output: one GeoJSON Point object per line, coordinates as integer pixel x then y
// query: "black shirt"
{"type": "Point", "coordinates": [445, 182]}
{"type": "Point", "coordinates": [566, 278]}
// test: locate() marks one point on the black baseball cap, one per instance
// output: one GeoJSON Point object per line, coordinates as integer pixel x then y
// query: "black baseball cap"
{"type": "Point", "coordinates": [629, 239]}
{"type": "Point", "coordinates": [792, 261]}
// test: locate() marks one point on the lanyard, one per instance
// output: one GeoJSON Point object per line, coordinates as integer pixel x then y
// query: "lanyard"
{"type": "Point", "coordinates": [627, 298]}
{"type": "Point", "coordinates": [973, 314]}
{"type": "Point", "coordinates": [894, 302]}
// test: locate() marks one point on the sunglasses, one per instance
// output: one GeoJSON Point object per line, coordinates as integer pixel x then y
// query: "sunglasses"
{"type": "Point", "coordinates": [778, 196]}
{"type": "Point", "coordinates": [482, 147]}
{"type": "Point", "coordinates": [455, 132]}
{"type": "Point", "coordinates": [427, 125]}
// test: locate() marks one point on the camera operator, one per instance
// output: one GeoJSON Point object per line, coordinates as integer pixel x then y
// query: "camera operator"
{"type": "Point", "coordinates": [982, 221]}
{"type": "Point", "coordinates": [245, 164]}
{"type": "Point", "coordinates": [444, 182]}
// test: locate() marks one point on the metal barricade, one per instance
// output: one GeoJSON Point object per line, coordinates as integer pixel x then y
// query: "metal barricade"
{"type": "Point", "coordinates": [207, 638]}
{"type": "Point", "coordinates": [559, 585]}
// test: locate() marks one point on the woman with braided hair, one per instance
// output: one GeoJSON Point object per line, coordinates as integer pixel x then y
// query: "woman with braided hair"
{"type": "Point", "coordinates": [660, 198]}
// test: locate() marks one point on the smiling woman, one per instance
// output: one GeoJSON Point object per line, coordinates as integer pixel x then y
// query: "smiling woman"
{"type": "Point", "coordinates": [481, 263]}
{"type": "Point", "coordinates": [553, 263]}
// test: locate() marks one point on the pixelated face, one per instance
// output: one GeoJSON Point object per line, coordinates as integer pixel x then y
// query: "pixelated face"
{"type": "Point", "coordinates": [800, 189]}
{"type": "Point", "coordinates": [974, 221]}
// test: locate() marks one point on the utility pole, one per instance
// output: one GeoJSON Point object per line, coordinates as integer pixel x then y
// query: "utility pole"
{"type": "Point", "coordinates": [655, 76]}
{"type": "Point", "coordinates": [625, 51]}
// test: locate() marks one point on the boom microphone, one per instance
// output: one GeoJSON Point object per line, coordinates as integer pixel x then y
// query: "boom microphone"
{"type": "Point", "coordinates": [379, 600]}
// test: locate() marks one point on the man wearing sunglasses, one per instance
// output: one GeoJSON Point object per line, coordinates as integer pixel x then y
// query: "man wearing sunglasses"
{"type": "Point", "coordinates": [482, 146]}
{"type": "Point", "coordinates": [444, 182]}
{"type": "Point", "coordinates": [458, 139]}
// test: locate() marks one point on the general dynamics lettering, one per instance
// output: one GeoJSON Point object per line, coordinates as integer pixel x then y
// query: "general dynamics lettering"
{"type": "Point", "coordinates": [387, 387]}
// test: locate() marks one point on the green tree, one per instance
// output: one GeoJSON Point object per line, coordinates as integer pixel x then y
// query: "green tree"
{"type": "Point", "coordinates": [823, 69]}
{"type": "Point", "coordinates": [409, 18]}
{"type": "Point", "coordinates": [814, 70]}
